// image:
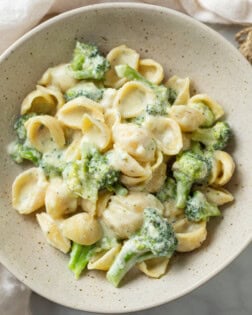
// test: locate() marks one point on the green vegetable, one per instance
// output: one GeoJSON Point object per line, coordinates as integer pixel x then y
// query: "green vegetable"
{"type": "Point", "coordinates": [19, 126]}
{"type": "Point", "coordinates": [91, 174]}
{"type": "Point", "coordinates": [172, 95]}
{"type": "Point", "coordinates": [88, 63]}
{"type": "Point", "coordinates": [52, 163]}
{"type": "Point", "coordinates": [161, 104]}
{"type": "Point", "coordinates": [155, 239]}
{"type": "Point", "coordinates": [199, 209]}
{"type": "Point", "coordinates": [215, 138]}
{"type": "Point", "coordinates": [87, 89]}
{"type": "Point", "coordinates": [22, 151]}
{"type": "Point", "coordinates": [188, 169]}
{"type": "Point", "coordinates": [79, 258]}
{"type": "Point", "coordinates": [167, 191]}
{"type": "Point", "coordinates": [206, 112]}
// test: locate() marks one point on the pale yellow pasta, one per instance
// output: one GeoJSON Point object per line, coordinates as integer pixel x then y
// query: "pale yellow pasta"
{"type": "Point", "coordinates": [104, 259]}
{"type": "Point", "coordinates": [222, 169]}
{"type": "Point", "coordinates": [82, 228]}
{"type": "Point", "coordinates": [135, 140]}
{"type": "Point", "coordinates": [53, 234]}
{"type": "Point", "coordinates": [28, 191]}
{"type": "Point", "coordinates": [43, 101]}
{"type": "Point", "coordinates": [112, 117]}
{"type": "Point", "coordinates": [119, 56]}
{"type": "Point", "coordinates": [157, 179]}
{"type": "Point", "coordinates": [134, 183]}
{"type": "Point", "coordinates": [186, 141]}
{"type": "Point", "coordinates": [189, 119]}
{"type": "Point", "coordinates": [190, 235]}
{"type": "Point", "coordinates": [45, 133]}
{"type": "Point", "coordinates": [88, 206]}
{"type": "Point", "coordinates": [124, 214]}
{"type": "Point", "coordinates": [59, 76]}
{"type": "Point", "coordinates": [171, 212]}
{"type": "Point", "coordinates": [218, 196]}
{"type": "Point", "coordinates": [209, 102]}
{"type": "Point", "coordinates": [71, 114]}
{"type": "Point", "coordinates": [95, 132]}
{"type": "Point", "coordinates": [151, 70]}
{"type": "Point", "coordinates": [73, 151]}
{"type": "Point", "coordinates": [59, 200]}
{"type": "Point", "coordinates": [155, 267]}
{"type": "Point", "coordinates": [102, 202]}
{"type": "Point", "coordinates": [167, 134]}
{"type": "Point", "coordinates": [181, 87]}
{"type": "Point", "coordinates": [108, 98]}
{"type": "Point", "coordinates": [125, 163]}
{"type": "Point", "coordinates": [132, 99]}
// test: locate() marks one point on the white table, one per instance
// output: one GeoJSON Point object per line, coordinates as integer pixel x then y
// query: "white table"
{"type": "Point", "coordinates": [229, 293]}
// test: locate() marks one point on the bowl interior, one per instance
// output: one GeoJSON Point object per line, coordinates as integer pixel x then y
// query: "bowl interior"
{"type": "Point", "coordinates": [185, 48]}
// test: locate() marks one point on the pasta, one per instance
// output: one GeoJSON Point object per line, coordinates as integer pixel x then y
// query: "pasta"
{"type": "Point", "coordinates": [127, 170]}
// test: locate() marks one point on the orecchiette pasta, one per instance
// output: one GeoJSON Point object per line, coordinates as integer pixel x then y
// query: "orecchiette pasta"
{"type": "Point", "coordinates": [45, 133]}
{"type": "Point", "coordinates": [28, 191]}
{"type": "Point", "coordinates": [127, 167]}
{"type": "Point", "coordinates": [118, 56]}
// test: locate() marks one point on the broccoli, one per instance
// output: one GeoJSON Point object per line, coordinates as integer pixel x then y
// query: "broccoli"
{"type": "Point", "coordinates": [19, 126]}
{"type": "Point", "coordinates": [91, 174]}
{"type": "Point", "coordinates": [167, 191]}
{"type": "Point", "coordinates": [155, 239]}
{"type": "Point", "coordinates": [215, 138]}
{"type": "Point", "coordinates": [198, 208]}
{"type": "Point", "coordinates": [138, 120]}
{"type": "Point", "coordinates": [79, 258]}
{"type": "Point", "coordinates": [209, 117]}
{"type": "Point", "coordinates": [172, 95]}
{"type": "Point", "coordinates": [52, 163]}
{"type": "Point", "coordinates": [188, 169]}
{"type": "Point", "coordinates": [87, 89]}
{"type": "Point", "coordinates": [162, 93]}
{"type": "Point", "coordinates": [22, 151]}
{"type": "Point", "coordinates": [87, 62]}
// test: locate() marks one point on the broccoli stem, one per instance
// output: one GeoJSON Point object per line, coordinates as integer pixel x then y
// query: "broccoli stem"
{"type": "Point", "coordinates": [79, 258]}
{"type": "Point", "coordinates": [125, 260]}
{"type": "Point", "coordinates": [183, 190]}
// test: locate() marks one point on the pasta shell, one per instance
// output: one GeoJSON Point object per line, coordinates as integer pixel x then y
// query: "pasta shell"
{"type": "Point", "coordinates": [151, 70]}
{"type": "Point", "coordinates": [59, 77]}
{"type": "Point", "coordinates": [167, 134]}
{"type": "Point", "coordinates": [95, 132]}
{"type": "Point", "coordinates": [182, 87]}
{"type": "Point", "coordinates": [132, 99]}
{"type": "Point", "coordinates": [218, 196]}
{"type": "Point", "coordinates": [155, 267]}
{"type": "Point", "coordinates": [190, 235]}
{"type": "Point", "coordinates": [53, 232]}
{"type": "Point", "coordinates": [104, 260]}
{"type": "Point", "coordinates": [157, 180]}
{"type": "Point", "coordinates": [59, 200]}
{"type": "Point", "coordinates": [189, 119]}
{"type": "Point", "coordinates": [28, 191]}
{"type": "Point", "coordinates": [223, 168]}
{"type": "Point", "coordinates": [45, 133]}
{"type": "Point", "coordinates": [71, 114]}
{"type": "Point", "coordinates": [82, 228]}
{"type": "Point", "coordinates": [205, 99]}
{"type": "Point", "coordinates": [119, 56]}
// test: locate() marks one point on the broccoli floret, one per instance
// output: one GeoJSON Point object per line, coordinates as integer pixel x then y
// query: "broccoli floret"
{"type": "Point", "coordinates": [19, 126]}
{"type": "Point", "coordinates": [91, 174]}
{"type": "Point", "coordinates": [138, 120]}
{"type": "Point", "coordinates": [87, 62]}
{"type": "Point", "coordinates": [199, 209]}
{"type": "Point", "coordinates": [215, 138]}
{"type": "Point", "coordinates": [172, 95]}
{"type": "Point", "coordinates": [188, 169]}
{"type": "Point", "coordinates": [52, 163]}
{"type": "Point", "coordinates": [162, 93]}
{"type": "Point", "coordinates": [167, 191]}
{"type": "Point", "coordinates": [155, 239]}
{"type": "Point", "coordinates": [22, 151]}
{"type": "Point", "coordinates": [87, 89]}
{"type": "Point", "coordinates": [79, 258]}
{"type": "Point", "coordinates": [209, 117]}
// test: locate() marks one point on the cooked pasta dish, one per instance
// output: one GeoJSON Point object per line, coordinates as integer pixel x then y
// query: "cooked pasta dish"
{"type": "Point", "coordinates": [127, 168]}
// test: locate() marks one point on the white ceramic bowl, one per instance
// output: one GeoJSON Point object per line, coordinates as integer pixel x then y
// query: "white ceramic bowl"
{"type": "Point", "coordinates": [184, 47]}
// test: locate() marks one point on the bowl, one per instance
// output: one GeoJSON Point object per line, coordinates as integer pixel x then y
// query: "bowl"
{"type": "Point", "coordinates": [184, 47]}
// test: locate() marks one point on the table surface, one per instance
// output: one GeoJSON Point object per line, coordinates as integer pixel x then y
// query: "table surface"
{"type": "Point", "coordinates": [228, 293]}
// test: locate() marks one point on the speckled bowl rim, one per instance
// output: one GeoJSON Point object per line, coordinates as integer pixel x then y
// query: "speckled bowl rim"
{"type": "Point", "coordinates": [128, 5]}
